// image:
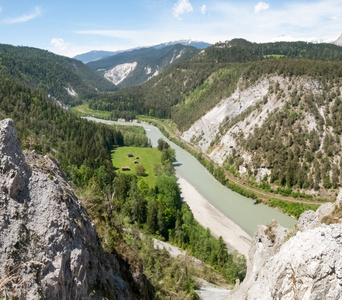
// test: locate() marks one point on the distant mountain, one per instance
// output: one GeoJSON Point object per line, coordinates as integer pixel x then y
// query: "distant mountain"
{"type": "Point", "coordinates": [196, 44]}
{"type": "Point", "coordinates": [64, 79]}
{"type": "Point", "coordinates": [138, 66]}
{"type": "Point", "coordinates": [268, 111]}
{"type": "Point", "coordinates": [314, 40]}
{"type": "Point", "coordinates": [338, 42]}
{"type": "Point", "coordinates": [100, 54]}
{"type": "Point", "coordinates": [94, 55]}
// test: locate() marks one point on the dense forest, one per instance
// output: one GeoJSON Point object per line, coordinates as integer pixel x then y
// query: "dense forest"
{"type": "Point", "coordinates": [124, 207]}
{"type": "Point", "coordinates": [43, 126]}
{"type": "Point", "coordinates": [240, 50]}
{"type": "Point", "coordinates": [52, 74]}
{"type": "Point", "coordinates": [214, 75]}
{"type": "Point", "coordinates": [160, 212]}
{"type": "Point", "coordinates": [118, 201]}
{"type": "Point", "coordinates": [298, 156]}
{"type": "Point", "coordinates": [150, 61]}
{"type": "Point", "coordinates": [282, 143]}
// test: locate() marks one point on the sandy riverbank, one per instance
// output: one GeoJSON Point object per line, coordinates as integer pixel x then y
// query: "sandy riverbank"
{"type": "Point", "coordinates": [210, 217]}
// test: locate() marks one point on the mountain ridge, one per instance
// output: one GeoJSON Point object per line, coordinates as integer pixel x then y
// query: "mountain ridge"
{"type": "Point", "coordinates": [67, 80]}
{"type": "Point", "coordinates": [100, 54]}
{"type": "Point", "coordinates": [148, 62]}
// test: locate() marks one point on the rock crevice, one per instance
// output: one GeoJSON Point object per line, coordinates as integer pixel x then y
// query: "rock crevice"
{"type": "Point", "coordinates": [302, 263]}
{"type": "Point", "coordinates": [48, 244]}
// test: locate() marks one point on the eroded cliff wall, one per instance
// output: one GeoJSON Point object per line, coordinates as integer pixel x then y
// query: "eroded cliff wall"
{"type": "Point", "coordinates": [49, 248]}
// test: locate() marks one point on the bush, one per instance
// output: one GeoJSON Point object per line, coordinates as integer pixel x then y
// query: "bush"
{"type": "Point", "coordinates": [140, 170]}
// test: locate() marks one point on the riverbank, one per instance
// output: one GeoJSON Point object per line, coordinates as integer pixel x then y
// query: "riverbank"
{"type": "Point", "coordinates": [210, 217]}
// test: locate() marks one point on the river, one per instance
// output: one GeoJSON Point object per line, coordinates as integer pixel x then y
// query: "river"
{"type": "Point", "coordinates": [239, 209]}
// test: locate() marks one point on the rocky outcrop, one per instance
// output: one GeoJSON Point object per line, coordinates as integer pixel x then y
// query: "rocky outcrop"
{"type": "Point", "coordinates": [302, 263]}
{"type": "Point", "coordinates": [49, 248]}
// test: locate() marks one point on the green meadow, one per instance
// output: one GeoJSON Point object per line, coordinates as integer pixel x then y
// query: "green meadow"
{"type": "Point", "coordinates": [84, 111]}
{"type": "Point", "coordinates": [274, 56]}
{"type": "Point", "coordinates": [148, 157]}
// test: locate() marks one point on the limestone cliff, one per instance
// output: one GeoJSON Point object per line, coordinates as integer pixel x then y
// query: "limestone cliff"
{"type": "Point", "coordinates": [49, 248]}
{"type": "Point", "coordinates": [302, 263]}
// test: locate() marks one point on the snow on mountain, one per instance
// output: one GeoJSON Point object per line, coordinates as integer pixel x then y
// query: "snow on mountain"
{"type": "Point", "coordinates": [289, 38]}
{"type": "Point", "coordinates": [338, 42]}
{"type": "Point", "coordinates": [120, 72]}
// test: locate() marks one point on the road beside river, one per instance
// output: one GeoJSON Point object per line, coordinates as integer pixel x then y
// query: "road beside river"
{"type": "Point", "coordinates": [239, 210]}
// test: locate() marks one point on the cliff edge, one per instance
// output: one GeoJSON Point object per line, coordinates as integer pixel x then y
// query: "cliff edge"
{"type": "Point", "coordinates": [49, 248]}
{"type": "Point", "coordinates": [302, 263]}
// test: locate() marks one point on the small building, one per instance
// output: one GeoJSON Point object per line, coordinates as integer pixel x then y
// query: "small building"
{"type": "Point", "coordinates": [137, 157]}
{"type": "Point", "coordinates": [125, 168]}
{"type": "Point", "coordinates": [130, 155]}
{"type": "Point", "coordinates": [136, 162]}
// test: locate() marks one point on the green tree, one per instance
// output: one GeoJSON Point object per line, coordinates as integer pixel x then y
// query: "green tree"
{"type": "Point", "coordinates": [221, 252]}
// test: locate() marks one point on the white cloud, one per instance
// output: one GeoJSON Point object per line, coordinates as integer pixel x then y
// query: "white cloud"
{"type": "Point", "coordinates": [181, 7]}
{"type": "Point", "coordinates": [261, 6]}
{"type": "Point", "coordinates": [204, 9]}
{"type": "Point", "coordinates": [24, 18]}
{"type": "Point", "coordinates": [110, 33]}
{"type": "Point", "coordinates": [59, 43]}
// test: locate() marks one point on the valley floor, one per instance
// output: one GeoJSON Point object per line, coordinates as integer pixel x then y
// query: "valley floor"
{"type": "Point", "coordinates": [210, 217]}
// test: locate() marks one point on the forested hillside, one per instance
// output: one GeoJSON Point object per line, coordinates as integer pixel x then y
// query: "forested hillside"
{"type": "Point", "coordinates": [276, 115]}
{"type": "Point", "coordinates": [121, 205]}
{"type": "Point", "coordinates": [198, 85]}
{"type": "Point", "coordinates": [68, 80]}
{"type": "Point", "coordinates": [281, 128]}
{"type": "Point", "coordinates": [45, 127]}
{"type": "Point", "coordinates": [146, 63]}
{"type": "Point", "coordinates": [239, 50]}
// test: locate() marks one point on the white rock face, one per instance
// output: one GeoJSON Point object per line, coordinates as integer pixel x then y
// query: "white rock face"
{"type": "Point", "coordinates": [12, 166]}
{"type": "Point", "coordinates": [238, 102]}
{"type": "Point", "coordinates": [307, 266]}
{"type": "Point", "coordinates": [46, 236]}
{"type": "Point", "coordinates": [120, 72]}
{"type": "Point", "coordinates": [207, 129]}
{"type": "Point", "coordinates": [71, 92]}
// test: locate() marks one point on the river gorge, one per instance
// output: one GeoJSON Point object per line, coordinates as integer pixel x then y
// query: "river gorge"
{"type": "Point", "coordinates": [201, 186]}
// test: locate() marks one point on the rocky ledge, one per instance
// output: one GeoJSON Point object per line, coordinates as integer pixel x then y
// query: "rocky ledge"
{"type": "Point", "coordinates": [49, 248]}
{"type": "Point", "coordinates": [301, 263]}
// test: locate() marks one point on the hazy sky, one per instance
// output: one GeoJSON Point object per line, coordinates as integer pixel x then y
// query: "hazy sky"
{"type": "Point", "coordinates": [73, 27]}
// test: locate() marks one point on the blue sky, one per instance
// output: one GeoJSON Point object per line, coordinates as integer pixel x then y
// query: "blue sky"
{"type": "Point", "coordinates": [74, 27]}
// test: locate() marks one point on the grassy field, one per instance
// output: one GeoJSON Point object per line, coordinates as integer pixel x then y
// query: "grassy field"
{"type": "Point", "coordinates": [148, 157]}
{"type": "Point", "coordinates": [84, 111]}
{"type": "Point", "coordinates": [274, 56]}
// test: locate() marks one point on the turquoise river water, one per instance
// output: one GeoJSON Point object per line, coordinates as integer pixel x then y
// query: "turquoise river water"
{"type": "Point", "coordinates": [239, 209]}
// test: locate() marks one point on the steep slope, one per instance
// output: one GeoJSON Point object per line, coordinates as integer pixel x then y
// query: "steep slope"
{"type": "Point", "coordinates": [281, 127]}
{"type": "Point", "coordinates": [148, 62]}
{"type": "Point", "coordinates": [338, 42]}
{"type": "Point", "coordinates": [268, 112]}
{"type": "Point", "coordinates": [186, 91]}
{"type": "Point", "coordinates": [68, 80]}
{"type": "Point", "coordinates": [100, 54]}
{"type": "Point", "coordinates": [48, 244]}
{"type": "Point", "coordinates": [306, 264]}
